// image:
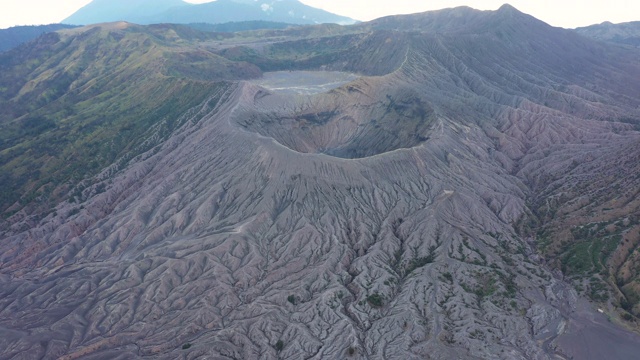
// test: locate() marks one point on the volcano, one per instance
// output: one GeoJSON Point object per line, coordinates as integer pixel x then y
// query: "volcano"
{"type": "Point", "coordinates": [452, 184]}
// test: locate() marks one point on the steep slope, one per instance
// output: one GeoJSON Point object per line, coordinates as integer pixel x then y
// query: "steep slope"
{"type": "Point", "coordinates": [624, 33]}
{"type": "Point", "coordinates": [14, 36]}
{"type": "Point", "coordinates": [390, 217]}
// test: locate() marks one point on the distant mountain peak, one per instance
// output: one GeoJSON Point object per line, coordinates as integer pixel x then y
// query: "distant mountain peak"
{"type": "Point", "coordinates": [461, 19]}
{"type": "Point", "coordinates": [624, 33]}
{"type": "Point", "coordinates": [14, 36]}
{"type": "Point", "coordinates": [213, 12]}
{"type": "Point", "coordinates": [508, 8]}
{"type": "Point", "coordinates": [508, 11]}
{"type": "Point", "coordinates": [101, 11]}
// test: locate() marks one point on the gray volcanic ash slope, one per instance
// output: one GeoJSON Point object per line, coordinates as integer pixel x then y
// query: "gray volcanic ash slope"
{"type": "Point", "coordinates": [387, 218]}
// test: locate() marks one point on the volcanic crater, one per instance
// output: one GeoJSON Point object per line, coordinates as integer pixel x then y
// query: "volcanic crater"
{"type": "Point", "coordinates": [333, 113]}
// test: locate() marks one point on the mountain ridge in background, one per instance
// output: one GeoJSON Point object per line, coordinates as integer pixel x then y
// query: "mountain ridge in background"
{"type": "Point", "coordinates": [624, 33]}
{"type": "Point", "coordinates": [16, 35]}
{"type": "Point", "coordinates": [102, 11]}
{"type": "Point", "coordinates": [457, 184]}
{"type": "Point", "coordinates": [220, 11]}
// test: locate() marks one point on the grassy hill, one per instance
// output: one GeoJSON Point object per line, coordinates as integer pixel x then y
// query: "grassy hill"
{"type": "Point", "coordinates": [71, 103]}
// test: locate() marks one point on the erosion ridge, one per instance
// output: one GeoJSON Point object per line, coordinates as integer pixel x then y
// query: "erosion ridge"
{"type": "Point", "coordinates": [217, 240]}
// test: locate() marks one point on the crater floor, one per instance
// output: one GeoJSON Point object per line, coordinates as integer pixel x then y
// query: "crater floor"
{"type": "Point", "coordinates": [304, 82]}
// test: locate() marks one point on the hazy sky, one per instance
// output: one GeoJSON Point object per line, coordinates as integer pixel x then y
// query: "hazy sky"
{"type": "Point", "coordinates": [565, 13]}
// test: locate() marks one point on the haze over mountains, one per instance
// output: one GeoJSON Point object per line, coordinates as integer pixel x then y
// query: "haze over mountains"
{"type": "Point", "coordinates": [237, 15]}
{"type": "Point", "coordinates": [452, 184]}
{"type": "Point", "coordinates": [14, 36]}
{"type": "Point", "coordinates": [101, 11]}
{"type": "Point", "coordinates": [220, 11]}
{"type": "Point", "coordinates": [624, 33]}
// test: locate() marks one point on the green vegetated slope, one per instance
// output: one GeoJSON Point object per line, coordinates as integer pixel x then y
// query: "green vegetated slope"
{"type": "Point", "coordinates": [591, 228]}
{"type": "Point", "coordinates": [73, 102]}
